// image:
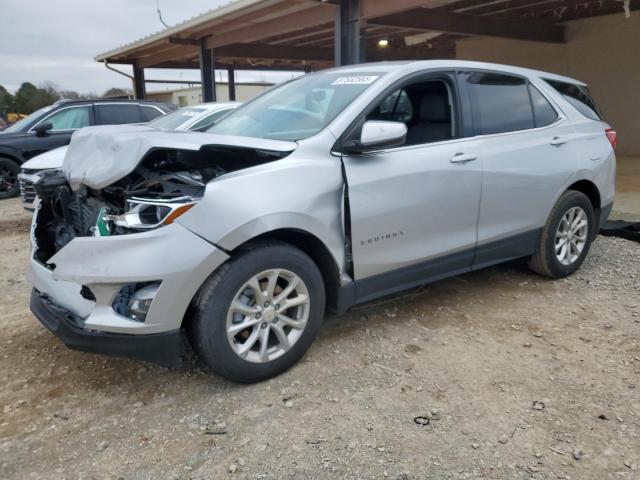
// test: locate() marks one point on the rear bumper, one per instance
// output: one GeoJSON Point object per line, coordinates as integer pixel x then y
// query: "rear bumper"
{"type": "Point", "coordinates": [161, 348]}
{"type": "Point", "coordinates": [604, 215]}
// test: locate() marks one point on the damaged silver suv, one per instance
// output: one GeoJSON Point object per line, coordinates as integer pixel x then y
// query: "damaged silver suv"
{"type": "Point", "coordinates": [324, 192]}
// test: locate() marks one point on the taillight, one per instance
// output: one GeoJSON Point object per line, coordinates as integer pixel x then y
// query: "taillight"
{"type": "Point", "coordinates": [612, 135]}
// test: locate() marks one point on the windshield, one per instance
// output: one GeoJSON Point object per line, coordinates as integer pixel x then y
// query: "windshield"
{"type": "Point", "coordinates": [21, 124]}
{"type": "Point", "coordinates": [174, 119]}
{"type": "Point", "coordinates": [298, 109]}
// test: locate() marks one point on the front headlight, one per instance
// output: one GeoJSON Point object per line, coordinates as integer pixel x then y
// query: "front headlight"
{"type": "Point", "coordinates": [145, 214]}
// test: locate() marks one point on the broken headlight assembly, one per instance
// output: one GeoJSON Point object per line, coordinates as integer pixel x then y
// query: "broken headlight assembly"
{"type": "Point", "coordinates": [144, 214]}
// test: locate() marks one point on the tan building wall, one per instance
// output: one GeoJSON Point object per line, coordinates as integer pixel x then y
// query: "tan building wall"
{"type": "Point", "coordinates": [603, 52]}
{"type": "Point", "coordinates": [192, 96]}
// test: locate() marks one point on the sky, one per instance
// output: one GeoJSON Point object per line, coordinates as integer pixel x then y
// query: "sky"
{"type": "Point", "coordinates": [56, 41]}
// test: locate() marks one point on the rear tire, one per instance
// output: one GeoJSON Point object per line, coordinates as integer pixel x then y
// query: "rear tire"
{"type": "Point", "coordinates": [565, 239]}
{"type": "Point", "coordinates": [9, 186]}
{"type": "Point", "coordinates": [242, 292]}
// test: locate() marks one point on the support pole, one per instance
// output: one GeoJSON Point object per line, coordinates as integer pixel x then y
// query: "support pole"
{"type": "Point", "coordinates": [231, 79]}
{"type": "Point", "coordinates": [207, 72]}
{"type": "Point", "coordinates": [349, 47]}
{"type": "Point", "coordinates": [138, 82]}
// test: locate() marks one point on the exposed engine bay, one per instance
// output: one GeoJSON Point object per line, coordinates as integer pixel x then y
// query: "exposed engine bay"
{"type": "Point", "coordinates": [165, 184]}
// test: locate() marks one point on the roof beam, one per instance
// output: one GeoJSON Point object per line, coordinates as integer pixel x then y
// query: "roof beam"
{"type": "Point", "coordinates": [311, 17]}
{"type": "Point", "coordinates": [376, 8]}
{"type": "Point", "coordinates": [278, 52]}
{"type": "Point", "coordinates": [242, 50]}
{"type": "Point", "coordinates": [176, 53]}
{"type": "Point", "coordinates": [465, 24]}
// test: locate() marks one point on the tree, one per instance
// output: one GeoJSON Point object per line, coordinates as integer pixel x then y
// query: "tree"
{"type": "Point", "coordinates": [117, 92]}
{"type": "Point", "coordinates": [23, 97]}
{"type": "Point", "coordinates": [6, 101]}
{"type": "Point", "coordinates": [43, 96]}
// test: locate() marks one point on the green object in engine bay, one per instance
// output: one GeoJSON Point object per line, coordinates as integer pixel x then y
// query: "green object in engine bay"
{"type": "Point", "coordinates": [101, 229]}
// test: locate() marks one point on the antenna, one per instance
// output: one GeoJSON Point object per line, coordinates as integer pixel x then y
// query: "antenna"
{"type": "Point", "coordinates": [160, 14]}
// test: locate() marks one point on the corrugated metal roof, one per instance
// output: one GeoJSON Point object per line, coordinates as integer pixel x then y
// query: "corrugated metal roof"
{"type": "Point", "coordinates": [214, 14]}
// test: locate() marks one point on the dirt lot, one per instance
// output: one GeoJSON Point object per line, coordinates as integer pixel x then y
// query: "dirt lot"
{"type": "Point", "coordinates": [518, 377]}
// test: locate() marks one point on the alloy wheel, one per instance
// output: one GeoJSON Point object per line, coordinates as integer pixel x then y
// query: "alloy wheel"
{"type": "Point", "coordinates": [8, 179]}
{"type": "Point", "coordinates": [268, 315]}
{"type": "Point", "coordinates": [571, 235]}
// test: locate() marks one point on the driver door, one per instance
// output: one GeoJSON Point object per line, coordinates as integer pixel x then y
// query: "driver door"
{"type": "Point", "coordinates": [414, 208]}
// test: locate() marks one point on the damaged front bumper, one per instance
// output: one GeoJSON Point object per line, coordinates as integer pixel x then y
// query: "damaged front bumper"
{"type": "Point", "coordinates": [161, 348]}
{"type": "Point", "coordinates": [75, 292]}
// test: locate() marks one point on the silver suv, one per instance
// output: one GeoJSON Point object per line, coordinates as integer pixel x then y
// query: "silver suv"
{"type": "Point", "coordinates": [327, 191]}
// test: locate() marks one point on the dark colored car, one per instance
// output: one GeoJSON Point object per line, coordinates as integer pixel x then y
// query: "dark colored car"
{"type": "Point", "coordinates": [52, 127]}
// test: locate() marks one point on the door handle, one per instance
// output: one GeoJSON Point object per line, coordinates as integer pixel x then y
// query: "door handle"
{"type": "Point", "coordinates": [559, 141]}
{"type": "Point", "coordinates": [463, 158]}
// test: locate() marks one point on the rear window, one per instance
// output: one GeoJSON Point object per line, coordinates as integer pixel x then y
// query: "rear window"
{"type": "Point", "coordinates": [500, 103]}
{"type": "Point", "coordinates": [578, 96]}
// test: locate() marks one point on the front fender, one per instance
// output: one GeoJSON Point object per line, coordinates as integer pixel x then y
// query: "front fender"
{"type": "Point", "coordinates": [291, 193]}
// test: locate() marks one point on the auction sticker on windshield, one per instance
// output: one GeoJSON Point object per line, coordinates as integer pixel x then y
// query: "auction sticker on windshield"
{"type": "Point", "coordinates": [355, 80]}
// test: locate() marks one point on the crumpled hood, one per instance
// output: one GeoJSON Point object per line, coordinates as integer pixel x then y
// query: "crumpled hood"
{"type": "Point", "coordinates": [100, 156]}
{"type": "Point", "coordinates": [51, 159]}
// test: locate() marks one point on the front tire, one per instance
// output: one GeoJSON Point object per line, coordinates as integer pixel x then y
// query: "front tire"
{"type": "Point", "coordinates": [9, 171]}
{"type": "Point", "coordinates": [566, 238]}
{"type": "Point", "coordinates": [258, 314]}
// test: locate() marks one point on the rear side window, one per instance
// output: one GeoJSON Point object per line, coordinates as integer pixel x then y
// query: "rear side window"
{"type": "Point", "coordinates": [543, 113]}
{"type": "Point", "coordinates": [578, 96]}
{"type": "Point", "coordinates": [500, 103]}
{"type": "Point", "coordinates": [149, 113]}
{"type": "Point", "coordinates": [117, 114]}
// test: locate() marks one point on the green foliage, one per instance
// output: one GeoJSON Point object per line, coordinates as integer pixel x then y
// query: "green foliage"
{"type": "Point", "coordinates": [29, 98]}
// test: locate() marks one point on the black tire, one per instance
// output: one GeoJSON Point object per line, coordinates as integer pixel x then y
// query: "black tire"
{"type": "Point", "coordinates": [9, 186]}
{"type": "Point", "coordinates": [207, 329]}
{"type": "Point", "coordinates": [544, 261]}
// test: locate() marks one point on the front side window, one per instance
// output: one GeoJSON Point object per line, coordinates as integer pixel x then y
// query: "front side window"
{"type": "Point", "coordinates": [500, 103]}
{"type": "Point", "coordinates": [117, 114]}
{"type": "Point", "coordinates": [70, 118]}
{"type": "Point", "coordinates": [425, 107]}
{"type": "Point", "coordinates": [297, 109]}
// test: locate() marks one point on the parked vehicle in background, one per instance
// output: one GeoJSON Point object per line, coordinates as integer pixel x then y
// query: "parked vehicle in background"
{"type": "Point", "coordinates": [327, 191]}
{"type": "Point", "coordinates": [195, 118]}
{"type": "Point", "coordinates": [52, 127]}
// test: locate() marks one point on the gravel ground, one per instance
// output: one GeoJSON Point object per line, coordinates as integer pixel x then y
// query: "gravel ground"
{"type": "Point", "coordinates": [512, 377]}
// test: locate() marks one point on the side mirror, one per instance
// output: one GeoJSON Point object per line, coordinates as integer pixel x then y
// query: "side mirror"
{"type": "Point", "coordinates": [377, 134]}
{"type": "Point", "coordinates": [42, 129]}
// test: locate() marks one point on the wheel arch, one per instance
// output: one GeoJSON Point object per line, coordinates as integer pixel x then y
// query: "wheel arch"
{"type": "Point", "coordinates": [590, 189]}
{"type": "Point", "coordinates": [314, 248]}
{"type": "Point", "coordinates": [592, 192]}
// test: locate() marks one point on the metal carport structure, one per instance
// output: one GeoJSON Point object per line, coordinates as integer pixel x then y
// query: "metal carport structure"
{"type": "Point", "coordinates": [307, 35]}
{"type": "Point", "coordinates": [312, 34]}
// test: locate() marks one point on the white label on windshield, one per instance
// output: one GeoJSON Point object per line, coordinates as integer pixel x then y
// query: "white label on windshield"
{"type": "Point", "coordinates": [190, 114]}
{"type": "Point", "coordinates": [355, 80]}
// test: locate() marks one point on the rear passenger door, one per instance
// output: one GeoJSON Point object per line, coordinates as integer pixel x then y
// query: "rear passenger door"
{"type": "Point", "coordinates": [526, 149]}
